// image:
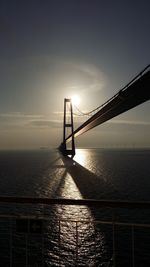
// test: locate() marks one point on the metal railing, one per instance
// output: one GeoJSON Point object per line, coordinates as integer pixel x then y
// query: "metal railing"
{"type": "Point", "coordinates": [31, 237]}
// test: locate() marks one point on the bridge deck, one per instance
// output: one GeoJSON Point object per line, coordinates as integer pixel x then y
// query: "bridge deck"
{"type": "Point", "coordinates": [132, 95]}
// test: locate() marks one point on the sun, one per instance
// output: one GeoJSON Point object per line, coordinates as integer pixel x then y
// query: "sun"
{"type": "Point", "coordinates": [75, 100]}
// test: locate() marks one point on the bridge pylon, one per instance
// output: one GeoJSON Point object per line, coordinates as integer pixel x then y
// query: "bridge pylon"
{"type": "Point", "coordinates": [68, 128]}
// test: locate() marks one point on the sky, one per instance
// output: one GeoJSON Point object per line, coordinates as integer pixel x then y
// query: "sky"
{"type": "Point", "coordinates": [53, 49]}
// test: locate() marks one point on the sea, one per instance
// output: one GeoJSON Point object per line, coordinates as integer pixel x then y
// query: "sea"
{"type": "Point", "coordinates": [75, 235]}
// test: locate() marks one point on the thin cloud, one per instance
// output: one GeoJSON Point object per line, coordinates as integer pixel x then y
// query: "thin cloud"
{"type": "Point", "coordinates": [129, 122]}
{"type": "Point", "coordinates": [46, 123]}
{"type": "Point", "coordinates": [19, 115]}
{"type": "Point", "coordinates": [18, 120]}
{"type": "Point", "coordinates": [58, 113]}
{"type": "Point", "coordinates": [94, 78]}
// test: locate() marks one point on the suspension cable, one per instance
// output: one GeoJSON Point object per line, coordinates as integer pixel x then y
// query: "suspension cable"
{"type": "Point", "coordinates": [119, 92]}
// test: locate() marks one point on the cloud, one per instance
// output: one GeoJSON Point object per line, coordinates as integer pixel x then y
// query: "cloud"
{"type": "Point", "coordinates": [46, 123]}
{"type": "Point", "coordinates": [129, 122]}
{"type": "Point", "coordinates": [19, 115]}
{"type": "Point", "coordinates": [41, 73]}
{"type": "Point", "coordinates": [61, 113]}
{"type": "Point", "coordinates": [18, 120]}
{"type": "Point", "coordinates": [120, 127]}
{"type": "Point", "coordinates": [70, 74]}
{"type": "Point", "coordinates": [89, 76]}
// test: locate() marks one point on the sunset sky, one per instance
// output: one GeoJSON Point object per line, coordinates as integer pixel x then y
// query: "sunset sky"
{"type": "Point", "coordinates": [52, 49]}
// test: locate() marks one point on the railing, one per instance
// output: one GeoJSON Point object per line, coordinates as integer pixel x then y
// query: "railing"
{"type": "Point", "coordinates": [39, 237]}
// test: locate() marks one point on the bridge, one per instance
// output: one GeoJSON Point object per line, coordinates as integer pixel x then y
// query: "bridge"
{"type": "Point", "coordinates": [136, 92]}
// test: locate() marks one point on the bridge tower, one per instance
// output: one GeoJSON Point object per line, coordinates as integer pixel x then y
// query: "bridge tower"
{"type": "Point", "coordinates": [68, 129]}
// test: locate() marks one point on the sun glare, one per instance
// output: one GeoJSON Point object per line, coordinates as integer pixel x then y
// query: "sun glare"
{"type": "Point", "coordinates": [75, 100]}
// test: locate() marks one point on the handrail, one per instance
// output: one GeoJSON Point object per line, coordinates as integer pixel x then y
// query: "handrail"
{"type": "Point", "coordinates": [77, 202]}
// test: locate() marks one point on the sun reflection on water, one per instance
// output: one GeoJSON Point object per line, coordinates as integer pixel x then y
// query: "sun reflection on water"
{"type": "Point", "coordinates": [81, 157]}
{"type": "Point", "coordinates": [69, 188]}
{"type": "Point", "coordinates": [72, 235]}
{"type": "Point", "coordinates": [79, 238]}
{"type": "Point", "coordinates": [85, 158]}
{"type": "Point", "coordinates": [88, 159]}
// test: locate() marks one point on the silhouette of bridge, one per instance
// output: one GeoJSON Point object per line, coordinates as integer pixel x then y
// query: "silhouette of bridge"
{"type": "Point", "coordinates": [136, 92]}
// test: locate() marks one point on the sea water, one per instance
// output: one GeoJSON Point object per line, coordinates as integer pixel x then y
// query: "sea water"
{"type": "Point", "coordinates": [92, 174]}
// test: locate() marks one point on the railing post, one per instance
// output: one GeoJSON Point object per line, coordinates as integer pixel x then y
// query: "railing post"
{"type": "Point", "coordinates": [43, 214]}
{"type": "Point", "coordinates": [43, 250]}
{"type": "Point", "coordinates": [113, 233]}
{"type": "Point", "coordinates": [132, 234]}
{"type": "Point", "coordinates": [76, 244]}
{"type": "Point", "coordinates": [59, 232]}
{"type": "Point", "coordinates": [10, 241]}
{"type": "Point", "coordinates": [26, 236]}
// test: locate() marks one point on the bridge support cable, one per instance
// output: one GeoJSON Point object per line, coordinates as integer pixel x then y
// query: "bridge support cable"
{"type": "Point", "coordinates": [68, 125]}
{"type": "Point", "coordinates": [133, 94]}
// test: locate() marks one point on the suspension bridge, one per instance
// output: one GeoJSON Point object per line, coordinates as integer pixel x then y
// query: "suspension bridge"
{"type": "Point", "coordinates": [136, 92]}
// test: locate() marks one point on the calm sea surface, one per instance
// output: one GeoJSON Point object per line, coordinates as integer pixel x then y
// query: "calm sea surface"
{"type": "Point", "coordinates": [94, 173]}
